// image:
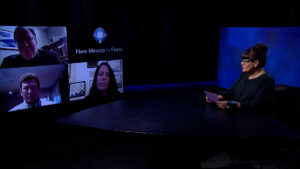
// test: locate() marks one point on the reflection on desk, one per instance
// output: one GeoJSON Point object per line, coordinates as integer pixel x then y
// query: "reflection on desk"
{"type": "Point", "coordinates": [181, 112]}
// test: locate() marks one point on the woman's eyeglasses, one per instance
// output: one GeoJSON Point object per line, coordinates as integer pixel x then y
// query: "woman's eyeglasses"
{"type": "Point", "coordinates": [246, 61]}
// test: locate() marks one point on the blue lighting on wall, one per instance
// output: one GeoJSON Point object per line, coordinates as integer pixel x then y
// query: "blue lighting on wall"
{"type": "Point", "coordinates": [283, 56]}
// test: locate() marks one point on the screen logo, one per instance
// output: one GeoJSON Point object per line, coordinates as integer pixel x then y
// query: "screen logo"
{"type": "Point", "coordinates": [100, 35]}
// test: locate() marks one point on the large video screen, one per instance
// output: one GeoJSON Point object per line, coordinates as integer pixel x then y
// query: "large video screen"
{"type": "Point", "coordinates": [282, 57]}
{"type": "Point", "coordinates": [47, 65]}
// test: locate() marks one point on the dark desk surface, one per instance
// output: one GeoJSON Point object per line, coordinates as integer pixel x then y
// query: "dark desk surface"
{"type": "Point", "coordinates": [177, 112]}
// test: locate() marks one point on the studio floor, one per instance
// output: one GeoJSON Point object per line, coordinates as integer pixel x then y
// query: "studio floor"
{"type": "Point", "coordinates": [57, 147]}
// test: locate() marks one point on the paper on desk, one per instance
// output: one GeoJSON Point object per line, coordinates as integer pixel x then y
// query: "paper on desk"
{"type": "Point", "coordinates": [211, 96]}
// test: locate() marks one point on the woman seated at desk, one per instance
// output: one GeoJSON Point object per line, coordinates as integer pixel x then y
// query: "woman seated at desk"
{"type": "Point", "coordinates": [254, 89]}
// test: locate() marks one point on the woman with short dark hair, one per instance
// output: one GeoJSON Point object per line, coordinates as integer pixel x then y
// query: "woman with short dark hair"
{"type": "Point", "coordinates": [254, 89]}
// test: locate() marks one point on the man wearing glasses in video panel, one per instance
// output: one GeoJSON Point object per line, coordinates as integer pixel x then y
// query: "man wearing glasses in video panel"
{"type": "Point", "coordinates": [29, 54]}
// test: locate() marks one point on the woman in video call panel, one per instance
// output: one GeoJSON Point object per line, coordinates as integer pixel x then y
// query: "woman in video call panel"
{"type": "Point", "coordinates": [104, 87]}
{"type": "Point", "coordinates": [254, 89]}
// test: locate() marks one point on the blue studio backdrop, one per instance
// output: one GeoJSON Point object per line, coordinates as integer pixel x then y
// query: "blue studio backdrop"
{"type": "Point", "coordinates": [283, 56]}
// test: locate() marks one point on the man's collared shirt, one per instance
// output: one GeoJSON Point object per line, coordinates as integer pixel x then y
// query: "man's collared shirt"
{"type": "Point", "coordinates": [25, 105]}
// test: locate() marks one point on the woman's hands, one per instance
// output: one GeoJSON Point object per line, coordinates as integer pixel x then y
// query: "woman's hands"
{"type": "Point", "coordinates": [207, 100]}
{"type": "Point", "coordinates": [225, 104]}
{"type": "Point", "coordinates": [220, 97]}
{"type": "Point", "coordinates": [222, 104]}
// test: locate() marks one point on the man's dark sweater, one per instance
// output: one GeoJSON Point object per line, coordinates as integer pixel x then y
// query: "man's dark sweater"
{"type": "Point", "coordinates": [42, 58]}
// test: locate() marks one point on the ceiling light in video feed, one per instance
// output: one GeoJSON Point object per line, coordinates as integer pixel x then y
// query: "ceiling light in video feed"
{"type": "Point", "coordinates": [100, 35]}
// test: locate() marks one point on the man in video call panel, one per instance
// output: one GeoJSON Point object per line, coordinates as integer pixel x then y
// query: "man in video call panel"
{"type": "Point", "coordinates": [30, 91]}
{"type": "Point", "coordinates": [29, 54]}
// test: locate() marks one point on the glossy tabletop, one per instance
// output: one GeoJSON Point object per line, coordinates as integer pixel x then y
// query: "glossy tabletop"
{"type": "Point", "coordinates": [177, 112]}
